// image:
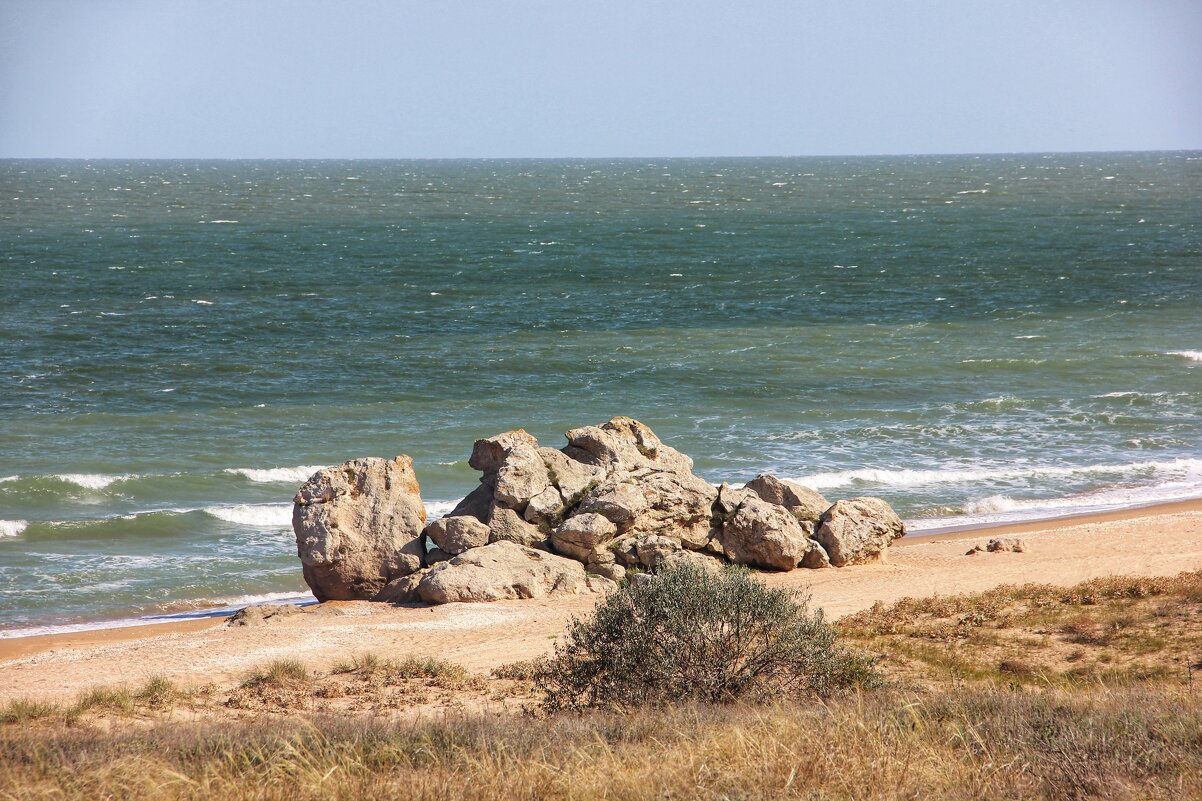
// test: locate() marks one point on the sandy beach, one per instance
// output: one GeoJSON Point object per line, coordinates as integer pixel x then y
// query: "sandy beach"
{"type": "Point", "coordinates": [1158, 540]}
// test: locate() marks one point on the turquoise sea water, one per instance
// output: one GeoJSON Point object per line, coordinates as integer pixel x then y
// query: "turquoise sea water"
{"type": "Point", "coordinates": [973, 338]}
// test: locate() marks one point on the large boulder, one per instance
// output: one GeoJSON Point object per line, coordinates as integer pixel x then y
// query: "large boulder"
{"type": "Point", "coordinates": [806, 505]}
{"type": "Point", "coordinates": [512, 466]}
{"type": "Point", "coordinates": [455, 534]}
{"type": "Point", "coordinates": [358, 526]}
{"type": "Point", "coordinates": [762, 534]}
{"type": "Point", "coordinates": [505, 570]}
{"type": "Point", "coordinates": [652, 502]}
{"type": "Point", "coordinates": [579, 536]}
{"type": "Point", "coordinates": [858, 530]}
{"type": "Point", "coordinates": [624, 444]}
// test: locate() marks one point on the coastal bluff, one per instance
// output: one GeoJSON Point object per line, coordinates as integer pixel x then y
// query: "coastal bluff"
{"type": "Point", "coordinates": [546, 521]}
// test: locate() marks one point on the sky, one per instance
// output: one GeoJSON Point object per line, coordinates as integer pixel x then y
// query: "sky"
{"type": "Point", "coordinates": [611, 78]}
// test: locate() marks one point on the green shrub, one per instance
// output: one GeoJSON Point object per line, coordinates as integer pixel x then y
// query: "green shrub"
{"type": "Point", "coordinates": [690, 635]}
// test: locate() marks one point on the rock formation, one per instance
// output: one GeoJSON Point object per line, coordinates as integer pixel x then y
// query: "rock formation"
{"type": "Point", "coordinates": [358, 526]}
{"type": "Point", "coordinates": [498, 571]}
{"type": "Point", "coordinates": [858, 530]}
{"type": "Point", "coordinates": [546, 521]}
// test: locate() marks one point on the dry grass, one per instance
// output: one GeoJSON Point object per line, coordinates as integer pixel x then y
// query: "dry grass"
{"type": "Point", "coordinates": [1117, 629]}
{"type": "Point", "coordinates": [960, 744]}
{"type": "Point", "coordinates": [365, 683]}
{"type": "Point", "coordinates": [1029, 692]}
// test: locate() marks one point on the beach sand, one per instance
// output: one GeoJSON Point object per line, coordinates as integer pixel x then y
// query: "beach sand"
{"type": "Point", "coordinates": [1158, 540]}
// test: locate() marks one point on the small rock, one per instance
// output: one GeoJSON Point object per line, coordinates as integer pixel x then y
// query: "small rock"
{"type": "Point", "coordinates": [1003, 544]}
{"type": "Point", "coordinates": [261, 614]}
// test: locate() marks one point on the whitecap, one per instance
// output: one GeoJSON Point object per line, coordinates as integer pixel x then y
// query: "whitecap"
{"type": "Point", "coordinates": [437, 509]}
{"type": "Point", "coordinates": [1192, 355]}
{"type": "Point", "coordinates": [264, 598]}
{"type": "Point", "coordinates": [1003, 509]}
{"type": "Point", "coordinates": [993, 503]}
{"type": "Point", "coordinates": [11, 528]}
{"type": "Point", "coordinates": [92, 481]}
{"type": "Point", "coordinates": [277, 475]}
{"type": "Point", "coordinates": [261, 515]}
{"type": "Point", "coordinates": [203, 302]}
{"type": "Point", "coordinates": [959, 475]}
{"type": "Point", "coordinates": [6, 479]}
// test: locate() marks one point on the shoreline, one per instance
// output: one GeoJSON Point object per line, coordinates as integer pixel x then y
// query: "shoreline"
{"type": "Point", "coordinates": [978, 530]}
{"type": "Point", "coordinates": [18, 647]}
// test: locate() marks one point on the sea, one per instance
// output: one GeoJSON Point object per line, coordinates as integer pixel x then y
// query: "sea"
{"type": "Point", "coordinates": [975, 339]}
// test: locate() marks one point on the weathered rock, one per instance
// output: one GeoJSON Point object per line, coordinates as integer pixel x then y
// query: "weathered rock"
{"type": "Point", "coordinates": [707, 562]}
{"type": "Point", "coordinates": [817, 556]}
{"type": "Point", "coordinates": [570, 477]}
{"type": "Point", "coordinates": [619, 502]}
{"type": "Point", "coordinates": [805, 504]}
{"type": "Point", "coordinates": [612, 571]}
{"type": "Point", "coordinates": [658, 553]}
{"type": "Point", "coordinates": [651, 502]}
{"type": "Point", "coordinates": [679, 505]}
{"type": "Point", "coordinates": [624, 444]}
{"type": "Point", "coordinates": [477, 504]}
{"type": "Point", "coordinates": [489, 454]}
{"type": "Point", "coordinates": [506, 525]}
{"type": "Point", "coordinates": [579, 535]}
{"type": "Point", "coordinates": [1005, 544]}
{"type": "Point", "coordinates": [404, 589]}
{"type": "Point", "coordinates": [858, 530]}
{"type": "Point", "coordinates": [436, 555]}
{"type": "Point", "coordinates": [455, 534]}
{"type": "Point", "coordinates": [761, 534]}
{"type": "Point", "coordinates": [546, 506]}
{"type": "Point", "coordinates": [505, 570]}
{"type": "Point", "coordinates": [602, 562]}
{"type": "Point", "coordinates": [652, 550]}
{"type": "Point", "coordinates": [358, 526]}
{"type": "Point", "coordinates": [261, 614]}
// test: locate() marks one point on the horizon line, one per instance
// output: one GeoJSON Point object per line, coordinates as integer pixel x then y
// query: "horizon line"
{"type": "Point", "coordinates": [609, 158]}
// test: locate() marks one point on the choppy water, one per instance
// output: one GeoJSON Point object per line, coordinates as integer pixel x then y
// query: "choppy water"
{"type": "Point", "coordinates": [973, 338]}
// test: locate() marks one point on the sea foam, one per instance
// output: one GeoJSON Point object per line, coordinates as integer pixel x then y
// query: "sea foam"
{"type": "Point", "coordinates": [919, 478]}
{"type": "Point", "coordinates": [1002, 509]}
{"type": "Point", "coordinates": [437, 509]}
{"type": "Point", "coordinates": [277, 475]}
{"type": "Point", "coordinates": [1192, 355]}
{"type": "Point", "coordinates": [261, 515]}
{"type": "Point", "coordinates": [11, 528]}
{"type": "Point", "coordinates": [92, 481]}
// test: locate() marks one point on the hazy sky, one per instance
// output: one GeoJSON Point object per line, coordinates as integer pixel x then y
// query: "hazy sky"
{"type": "Point", "coordinates": [492, 78]}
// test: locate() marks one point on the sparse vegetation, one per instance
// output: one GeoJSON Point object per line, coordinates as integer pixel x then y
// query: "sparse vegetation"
{"type": "Point", "coordinates": [1022, 692]}
{"type": "Point", "coordinates": [1116, 629]}
{"type": "Point", "coordinates": [690, 635]}
{"type": "Point", "coordinates": [887, 745]}
{"type": "Point", "coordinates": [281, 673]}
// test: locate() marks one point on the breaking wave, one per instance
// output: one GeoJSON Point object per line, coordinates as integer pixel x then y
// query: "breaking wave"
{"type": "Point", "coordinates": [277, 475]}
{"type": "Point", "coordinates": [919, 478]}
